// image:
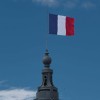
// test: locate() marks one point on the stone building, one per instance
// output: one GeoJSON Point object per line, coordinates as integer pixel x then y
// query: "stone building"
{"type": "Point", "coordinates": [47, 90]}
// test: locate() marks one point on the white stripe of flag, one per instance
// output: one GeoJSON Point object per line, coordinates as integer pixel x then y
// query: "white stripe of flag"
{"type": "Point", "coordinates": [61, 25]}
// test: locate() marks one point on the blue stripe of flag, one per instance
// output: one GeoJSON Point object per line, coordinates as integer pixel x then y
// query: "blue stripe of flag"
{"type": "Point", "coordinates": [53, 24]}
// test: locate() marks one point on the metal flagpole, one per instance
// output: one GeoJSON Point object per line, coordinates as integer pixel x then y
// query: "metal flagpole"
{"type": "Point", "coordinates": [47, 12]}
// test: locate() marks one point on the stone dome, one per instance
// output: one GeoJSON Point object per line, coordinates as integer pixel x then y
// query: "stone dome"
{"type": "Point", "coordinates": [47, 59]}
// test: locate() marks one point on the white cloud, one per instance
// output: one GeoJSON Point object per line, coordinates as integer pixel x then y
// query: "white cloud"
{"type": "Point", "coordinates": [71, 4]}
{"type": "Point", "coordinates": [17, 94]}
{"type": "Point", "coordinates": [1, 82]}
{"type": "Point", "coordinates": [88, 5]}
{"type": "Point", "coordinates": [47, 2]}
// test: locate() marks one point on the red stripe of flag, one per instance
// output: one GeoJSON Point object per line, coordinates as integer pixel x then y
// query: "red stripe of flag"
{"type": "Point", "coordinates": [69, 26]}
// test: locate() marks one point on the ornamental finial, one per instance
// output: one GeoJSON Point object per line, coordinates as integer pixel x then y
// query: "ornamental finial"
{"type": "Point", "coordinates": [47, 59]}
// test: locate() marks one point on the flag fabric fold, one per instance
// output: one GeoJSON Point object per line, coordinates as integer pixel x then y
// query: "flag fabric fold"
{"type": "Point", "coordinates": [61, 25]}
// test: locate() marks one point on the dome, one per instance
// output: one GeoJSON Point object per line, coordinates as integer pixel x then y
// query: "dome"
{"type": "Point", "coordinates": [46, 58]}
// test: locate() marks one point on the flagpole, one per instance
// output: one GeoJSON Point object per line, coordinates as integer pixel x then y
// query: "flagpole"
{"type": "Point", "coordinates": [47, 12]}
{"type": "Point", "coordinates": [46, 42]}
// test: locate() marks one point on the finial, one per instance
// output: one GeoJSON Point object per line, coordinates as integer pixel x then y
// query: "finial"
{"type": "Point", "coordinates": [46, 52]}
{"type": "Point", "coordinates": [46, 59]}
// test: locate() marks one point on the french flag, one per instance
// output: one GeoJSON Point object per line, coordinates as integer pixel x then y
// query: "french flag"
{"type": "Point", "coordinates": [61, 25]}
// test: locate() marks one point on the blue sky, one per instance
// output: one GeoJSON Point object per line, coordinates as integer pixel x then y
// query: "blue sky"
{"type": "Point", "coordinates": [76, 60]}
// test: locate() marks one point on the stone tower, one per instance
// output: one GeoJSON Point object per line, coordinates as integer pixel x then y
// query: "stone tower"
{"type": "Point", "coordinates": [47, 91]}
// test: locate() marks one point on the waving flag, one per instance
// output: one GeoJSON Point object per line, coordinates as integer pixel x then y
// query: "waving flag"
{"type": "Point", "coordinates": [61, 25]}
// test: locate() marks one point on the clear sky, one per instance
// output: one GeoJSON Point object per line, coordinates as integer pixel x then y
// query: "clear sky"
{"type": "Point", "coordinates": [75, 60]}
